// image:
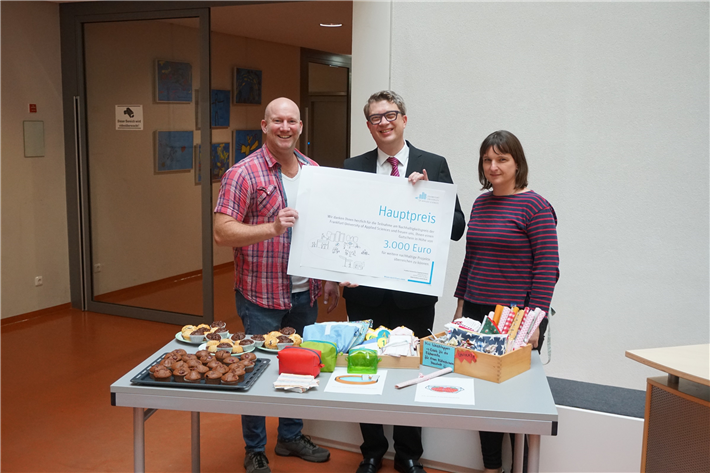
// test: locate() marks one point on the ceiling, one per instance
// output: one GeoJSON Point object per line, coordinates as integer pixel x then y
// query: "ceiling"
{"type": "Point", "coordinates": [293, 23]}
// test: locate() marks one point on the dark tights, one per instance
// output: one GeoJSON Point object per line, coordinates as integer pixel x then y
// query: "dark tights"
{"type": "Point", "coordinates": [492, 442]}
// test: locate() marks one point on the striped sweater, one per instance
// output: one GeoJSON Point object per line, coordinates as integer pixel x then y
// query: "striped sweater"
{"type": "Point", "coordinates": [511, 251]}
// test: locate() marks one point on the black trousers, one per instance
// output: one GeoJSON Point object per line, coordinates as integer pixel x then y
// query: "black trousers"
{"type": "Point", "coordinates": [407, 440]}
{"type": "Point", "coordinates": [492, 442]}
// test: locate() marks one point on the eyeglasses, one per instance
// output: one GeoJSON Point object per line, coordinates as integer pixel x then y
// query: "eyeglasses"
{"type": "Point", "coordinates": [390, 116]}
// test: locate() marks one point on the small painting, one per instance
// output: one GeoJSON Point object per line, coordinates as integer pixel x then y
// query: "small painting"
{"type": "Point", "coordinates": [247, 85]}
{"type": "Point", "coordinates": [173, 151]}
{"type": "Point", "coordinates": [219, 158]}
{"type": "Point", "coordinates": [173, 81]}
{"type": "Point", "coordinates": [245, 143]}
{"type": "Point", "coordinates": [220, 108]}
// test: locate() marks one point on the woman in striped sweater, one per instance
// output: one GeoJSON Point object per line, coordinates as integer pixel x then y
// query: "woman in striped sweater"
{"type": "Point", "coordinates": [511, 250]}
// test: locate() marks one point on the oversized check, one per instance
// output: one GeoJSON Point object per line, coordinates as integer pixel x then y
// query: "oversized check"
{"type": "Point", "coordinates": [372, 230]}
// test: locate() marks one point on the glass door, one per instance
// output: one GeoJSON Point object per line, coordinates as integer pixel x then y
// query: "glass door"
{"type": "Point", "coordinates": [143, 141]}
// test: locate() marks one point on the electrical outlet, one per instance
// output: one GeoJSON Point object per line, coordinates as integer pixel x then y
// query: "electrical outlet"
{"type": "Point", "coordinates": [97, 268]}
{"type": "Point", "coordinates": [38, 280]}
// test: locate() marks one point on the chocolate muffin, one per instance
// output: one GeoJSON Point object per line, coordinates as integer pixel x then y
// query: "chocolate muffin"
{"type": "Point", "coordinates": [213, 377]}
{"type": "Point", "coordinates": [239, 372]}
{"type": "Point", "coordinates": [248, 356]}
{"type": "Point", "coordinates": [222, 354]}
{"type": "Point", "coordinates": [202, 353]}
{"type": "Point", "coordinates": [284, 339]}
{"type": "Point", "coordinates": [230, 360]}
{"type": "Point", "coordinates": [161, 374]}
{"type": "Point", "coordinates": [213, 336]}
{"type": "Point", "coordinates": [193, 377]}
{"type": "Point", "coordinates": [179, 351]}
{"type": "Point", "coordinates": [202, 369]}
{"type": "Point", "coordinates": [231, 378]}
{"type": "Point", "coordinates": [179, 374]}
{"type": "Point", "coordinates": [178, 364]}
{"type": "Point", "coordinates": [219, 324]}
{"type": "Point", "coordinates": [288, 330]}
{"type": "Point", "coordinates": [238, 336]}
{"type": "Point", "coordinates": [248, 365]}
{"type": "Point", "coordinates": [221, 368]}
{"type": "Point", "coordinates": [258, 338]}
{"type": "Point", "coordinates": [246, 342]}
{"type": "Point", "coordinates": [211, 365]}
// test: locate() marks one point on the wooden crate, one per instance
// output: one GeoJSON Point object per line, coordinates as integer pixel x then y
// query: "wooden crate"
{"type": "Point", "coordinates": [473, 363]}
{"type": "Point", "coordinates": [386, 362]}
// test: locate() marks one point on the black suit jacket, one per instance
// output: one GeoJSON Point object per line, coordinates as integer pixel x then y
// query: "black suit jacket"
{"type": "Point", "coordinates": [437, 170]}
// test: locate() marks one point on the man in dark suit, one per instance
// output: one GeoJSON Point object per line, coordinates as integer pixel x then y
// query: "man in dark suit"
{"type": "Point", "coordinates": [386, 119]}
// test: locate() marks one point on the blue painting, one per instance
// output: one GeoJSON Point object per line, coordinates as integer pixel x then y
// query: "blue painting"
{"type": "Point", "coordinates": [173, 81]}
{"type": "Point", "coordinates": [219, 158]}
{"type": "Point", "coordinates": [245, 143]}
{"type": "Point", "coordinates": [247, 85]}
{"type": "Point", "coordinates": [174, 151]}
{"type": "Point", "coordinates": [220, 108]}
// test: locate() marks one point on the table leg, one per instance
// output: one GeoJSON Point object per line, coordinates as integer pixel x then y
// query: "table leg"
{"type": "Point", "coordinates": [195, 425]}
{"type": "Point", "coordinates": [138, 441]}
{"type": "Point", "coordinates": [519, 454]}
{"type": "Point", "coordinates": [533, 453]}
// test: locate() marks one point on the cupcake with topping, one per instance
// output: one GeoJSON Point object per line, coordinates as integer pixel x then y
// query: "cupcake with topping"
{"type": "Point", "coordinates": [258, 340]}
{"type": "Point", "coordinates": [287, 331]}
{"type": "Point", "coordinates": [238, 336]}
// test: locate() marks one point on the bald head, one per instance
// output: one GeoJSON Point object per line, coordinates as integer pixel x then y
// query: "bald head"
{"type": "Point", "coordinates": [282, 105]}
{"type": "Point", "coordinates": [282, 127]}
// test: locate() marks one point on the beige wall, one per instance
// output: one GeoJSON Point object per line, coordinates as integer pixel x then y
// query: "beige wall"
{"type": "Point", "coordinates": [151, 230]}
{"type": "Point", "coordinates": [34, 228]}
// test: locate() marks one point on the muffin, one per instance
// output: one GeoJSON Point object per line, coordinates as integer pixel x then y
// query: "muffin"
{"type": "Point", "coordinates": [202, 369]}
{"type": "Point", "coordinates": [271, 343]}
{"type": "Point", "coordinates": [239, 372]}
{"type": "Point", "coordinates": [221, 355]}
{"type": "Point", "coordinates": [213, 377]}
{"type": "Point", "coordinates": [296, 339]}
{"type": "Point", "coordinates": [247, 365]}
{"type": "Point", "coordinates": [287, 331]}
{"type": "Point", "coordinates": [211, 365]}
{"type": "Point", "coordinates": [230, 360]}
{"type": "Point", "coordinates": [161, 374]}
{"type": "Point", "coordinates": [213, 336]}
{"type": "Point", "coordinates": [202, 353]}
{"type": "Point", "coordinates": [248, 356]}
{"type": "Point", "coordinates": [238, 336]}
{"type": "Point", "coordinates": [178, 365]}
{"type": "Point", "coordinates": [193, 376]}
{"type": "Point", "coordinates": [231, 378]}
{"type": "Point", "coordinates": [221, 368]}
{"type": "Point", "coordinates": [179, 374]}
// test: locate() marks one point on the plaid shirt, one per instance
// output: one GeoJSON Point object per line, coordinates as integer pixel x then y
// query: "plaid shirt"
{"type": "Point", "coordinates": [252, 192]}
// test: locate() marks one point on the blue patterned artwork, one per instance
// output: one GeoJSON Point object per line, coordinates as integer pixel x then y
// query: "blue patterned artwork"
{"type": "Point", "coordinates": [174, 151]}
{"type": "Point", "coordinates": [245, 143]}
{"type": "Point", "coordinates": [247, 85]}
{"type": "Point", "coordinates": [173, 81]}
{"type": "Point", "coordinates": [220, 161]}
{"type": "Point", "coordinates": [220, 108]}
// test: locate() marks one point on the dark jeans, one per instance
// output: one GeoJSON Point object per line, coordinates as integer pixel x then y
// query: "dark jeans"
{"type": "Point", "coordinates": [259, 320]}
{"type": "Point", "coordinates": [492, 442]}
{"type": "Point", "coordinates": [407, 440]}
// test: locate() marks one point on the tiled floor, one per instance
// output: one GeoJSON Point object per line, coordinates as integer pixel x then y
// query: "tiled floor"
{"type": "Point", "coordinates": [56, 409]}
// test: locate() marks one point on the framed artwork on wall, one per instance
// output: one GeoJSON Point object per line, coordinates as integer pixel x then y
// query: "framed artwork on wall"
{"type": "Point", "coordinates": [173, 151]}
{"type": "Point", "coordinates": [247, 85]}
{"type": "Point", "coordinates": [220, 161]}
{"type": "Point", "coordinates": [173, 81]}
{"type": "Point", "coordinates": [220, 108]}
{"type": "Point", "coordinates": [245, 143]}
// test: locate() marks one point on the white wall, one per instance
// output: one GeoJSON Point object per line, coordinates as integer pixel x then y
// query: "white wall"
{"type": "Point", "coordinates": [34, 228]}
{"type": "Point", "coordinates": [610, 101]}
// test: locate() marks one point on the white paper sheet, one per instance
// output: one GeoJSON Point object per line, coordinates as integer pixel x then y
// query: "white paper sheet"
{"type": "Point", "coordinates": [446, 390]}
{"type": "Point", "coordinates": [334, 386]}
{"type": "Point", "coordinates": [372, 230]}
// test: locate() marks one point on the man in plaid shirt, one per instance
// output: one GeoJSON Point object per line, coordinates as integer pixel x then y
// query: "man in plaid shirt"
{"type": "Point", "coordinates": [254, 215]}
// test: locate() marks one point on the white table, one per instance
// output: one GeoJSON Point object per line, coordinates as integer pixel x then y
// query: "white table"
{"type": "Point", "coordinates": [523, 405]}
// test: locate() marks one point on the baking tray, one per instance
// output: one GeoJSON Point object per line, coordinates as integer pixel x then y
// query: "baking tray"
{"type": "Point", "coordinates": [143, 378]}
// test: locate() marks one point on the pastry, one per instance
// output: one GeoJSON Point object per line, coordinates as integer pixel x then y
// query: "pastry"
{"type": "Point", "coordinates": [202, 369]}
{"type": "Point", "coordinates": [193, 376]}
{"type": "Point", "coordinates": [271, 343]}
{"type": "Point", "coordinates": [161, 374]}
{"type": "Point", "coordinates": [257, 338]}
{"type": "Point", "coordinates": [213, 336]}
{"type": "Point", "coordinates": [296, 339]}
{"type": "Point", "coordinates": [249, 356]}
{"type": "Point", "coordinates": [231, 378]}
{"type": "Point", "coordinates": [211, 365]}
{"type": "Point", "coordinates": [221, 368]}
{"type": "Point", "coordinates": [179, 374]}
{"type": "Point", "coordinates": [213, 377]}
{"type": "Point", "coordinates": [202, 353]}
{"type": "Point", "coordinates": [248, 365]}
{"type": "Point", "coordinates": [287, 331]}
{"type": "Point", "coordinates": [238, 336]}
{"type": "Point", "coordinates": [239, 372]}
{"type": "Point", "coordinates": [230, 360]}
{"type": "Point", "coordinates": [246, 342]}
{"type": "Point", "coordinates": [222, 354]}
{"type": "Point", "coordinates": [236, 349]}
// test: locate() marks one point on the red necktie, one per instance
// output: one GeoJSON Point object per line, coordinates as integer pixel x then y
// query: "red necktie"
{"type": "Point", "coordinates": [394, 162]}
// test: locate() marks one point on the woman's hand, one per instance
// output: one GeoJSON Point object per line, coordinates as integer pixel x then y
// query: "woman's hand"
{"type": "Point", "coordinates": [332, 293]}
{"type": "Point", "coordinates": [535, 337]}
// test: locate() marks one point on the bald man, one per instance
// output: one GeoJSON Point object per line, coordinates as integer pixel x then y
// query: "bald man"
{"type": "Point", "coordinates": [254, 215]}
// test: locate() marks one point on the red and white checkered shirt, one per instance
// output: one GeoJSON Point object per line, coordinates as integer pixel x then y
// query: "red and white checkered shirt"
{"type": "Point", "coordinates": [252, 192]}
